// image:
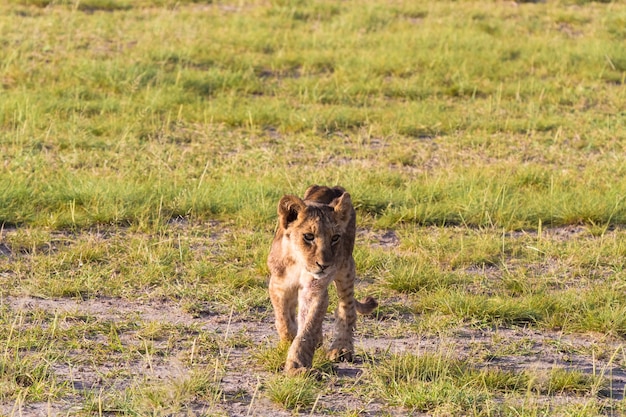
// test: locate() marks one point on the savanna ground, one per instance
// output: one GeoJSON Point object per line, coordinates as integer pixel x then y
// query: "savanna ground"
{"type": "Point", "coordinates": [144, 146]}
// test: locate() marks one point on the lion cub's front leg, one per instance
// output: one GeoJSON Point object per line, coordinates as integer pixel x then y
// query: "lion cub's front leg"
{"type": "Point", "coordinates": [312, 306]}
{"type": "Point", "coordinates": [284, 301]}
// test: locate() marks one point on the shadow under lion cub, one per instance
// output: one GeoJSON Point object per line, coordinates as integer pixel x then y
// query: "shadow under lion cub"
{"type": "Point", "coordinates": [312, 248]}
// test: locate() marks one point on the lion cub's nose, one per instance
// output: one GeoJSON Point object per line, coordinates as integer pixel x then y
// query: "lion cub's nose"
{"type": "Point", "coordinates": [322, 267]}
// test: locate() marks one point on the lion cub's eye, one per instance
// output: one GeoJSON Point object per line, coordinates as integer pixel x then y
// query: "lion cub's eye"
{"type": "Point", "coordinates": [309, 237]}
{"type": "Point", "coordinates": [335, 238]}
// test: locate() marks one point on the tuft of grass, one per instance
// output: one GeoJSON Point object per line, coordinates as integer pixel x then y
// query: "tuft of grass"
{"type": "Point", "coordinates": [481, 310]}
{"type": "Point", "coordinates": [404, 369]}
{"type": "Point", "coordinates": [171, 396]}
{"type": "Point", "coordinates": [202, 385]}
{"type": "Point", "coordinates": [29, 378]}
{"type": "Point", "coordinates": [271, 358]}
{"type": "Point", "coordinates": [562, 381]}
{"type": "Point", "coordinates": [293, 393]}
{"type": "Point", "coordinates": [495, 379]}
{"type": "Point", "coordinates": [425, 383]}
{"type": "Point", "coordinates": [407, 275]}
{"type": "Point", "coordinates": [439, 397]}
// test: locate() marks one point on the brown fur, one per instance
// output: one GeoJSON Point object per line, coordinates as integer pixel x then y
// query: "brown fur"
{"type": "Point", "coordinates": [312, 248]}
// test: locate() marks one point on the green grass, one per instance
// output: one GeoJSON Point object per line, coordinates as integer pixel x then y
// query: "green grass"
{"type": "Point", "coordinates": [424, 383]}
{"type": "Point", "coordinates": [293, 393]}
{"type": "Point", "coordinates": [144, 146]}
{"type": "Point", "coordinates": [112, 148]}
{"type": "Point", "coordinates": [173, 396]}
{"type": "Point", "coordinates": [438, 383]}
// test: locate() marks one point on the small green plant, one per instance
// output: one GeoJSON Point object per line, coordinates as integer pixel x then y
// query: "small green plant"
{"type": "Point", "coordinates": [202, 384]}
{"type": "Point", "coordinates": [494, 379]}
{"type": "Point", "coordinates": [271, 358]}
{"type": "Point", "coordinates": [293, 393]}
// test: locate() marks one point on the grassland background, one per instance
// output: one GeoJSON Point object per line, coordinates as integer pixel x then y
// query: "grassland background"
{"type": "Point", "coordinates": [144, 145]}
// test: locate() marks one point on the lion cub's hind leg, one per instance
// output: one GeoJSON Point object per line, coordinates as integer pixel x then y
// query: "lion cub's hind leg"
{"type": "Point", "coordinates": [342, 347]}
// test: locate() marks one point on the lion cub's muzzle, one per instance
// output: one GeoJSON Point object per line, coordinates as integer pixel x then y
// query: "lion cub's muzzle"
{"type": "Point", "coordinates": [321, 270]}
{"type": "Point", "coordinates": [321, 267]}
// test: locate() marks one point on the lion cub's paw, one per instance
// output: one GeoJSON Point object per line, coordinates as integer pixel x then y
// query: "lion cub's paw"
{"type": "Point", "coordinates": [296, 371]}
{"type": "Point", "coordinates": [295, 368]}
{"type": "Point", "coordinates": [340, 355]}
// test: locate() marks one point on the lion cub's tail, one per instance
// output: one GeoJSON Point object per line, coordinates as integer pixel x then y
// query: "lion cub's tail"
{"type": "Point", "coordinates": [366, 306]}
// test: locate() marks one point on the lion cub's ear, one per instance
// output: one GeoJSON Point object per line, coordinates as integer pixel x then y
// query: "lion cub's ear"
{"type": "Point", "coordinates": [289, 207]}
{"type": "Point", "coordinates": [343, 209]}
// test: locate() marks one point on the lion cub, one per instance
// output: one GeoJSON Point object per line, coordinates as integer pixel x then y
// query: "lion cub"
{"type": "Point", "coordinates": [312, 248]}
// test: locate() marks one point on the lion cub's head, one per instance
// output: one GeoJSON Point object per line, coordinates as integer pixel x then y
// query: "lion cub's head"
{"type": "Point", "coordinates": [319, 229]}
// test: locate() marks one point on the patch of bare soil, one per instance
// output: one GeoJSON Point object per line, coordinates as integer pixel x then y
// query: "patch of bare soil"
{"type": "Point", "coordinates": [386, 239]}
{"type": "Point", "coordinates": [242, 382]}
